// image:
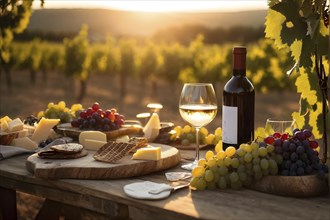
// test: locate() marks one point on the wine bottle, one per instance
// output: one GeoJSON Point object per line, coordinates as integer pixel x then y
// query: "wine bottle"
{"type": "Point", "coordinates": [238, 104]}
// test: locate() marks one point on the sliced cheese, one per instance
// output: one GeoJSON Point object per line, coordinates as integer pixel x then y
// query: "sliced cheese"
{"type": "Point", "coordinates": [123, 139]}
{"type": "Point", "coordinates": [4, 126]}
{"type": "Point", "coordinates": [93, 144]}
{"type": "Point", "coordinates": [147, 153]}
{"type": "Point", "coordinates": [151, 129]}
{"type": "Point", "coordinates": [22, 133]}
{"type": "Point", "coordinates": [43, 129]}
{"type": "Point", "coordinates": [92, 135]}
{"type": "Point", "coordinates": [15, 125]}
{"type": "Point", "coordinates": [24, 142]}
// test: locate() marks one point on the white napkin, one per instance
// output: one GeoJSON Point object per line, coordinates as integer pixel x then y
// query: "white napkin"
{"type": "Point", "coordinates": [10, 151]}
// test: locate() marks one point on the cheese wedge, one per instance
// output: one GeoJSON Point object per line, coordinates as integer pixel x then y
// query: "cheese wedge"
{"type": "Point", "coordinates": [43, 129]}
{"type": "Point", "coordinates": [15, 125]}
{"type": "Point", "coordinates": [147, 153]}
{"type": "Point", "coordinates": [5, 118]}
{"type": "Point", "coordinates": [92, 135]}
{"type": "Point", "coordinates": [29, 128]}
{"type": "Point", "coordinates": [151, 129]}
{"type": "Point", "coordinates": [4, 126]}
{"type": "Point", "coordinates": [24, 142]}
{"type": "Point", "coordinates": [93, 144]}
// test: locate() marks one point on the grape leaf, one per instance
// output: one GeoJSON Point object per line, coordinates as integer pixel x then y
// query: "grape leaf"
{"type": "Point", "coordinates": [290, 10]}
{"type": "Point", "coordinates": [306, 53]}
{"type": "Point", "coordinates": [300, 119]}
{"type": "Point", "coordinates": [313, 117]}
{"type": "Point", "coordinates": [295, 48]}
{"type": "Point", "coordinates": [304, 106]}
{"type": "Point", "coordinates": [274, 21]}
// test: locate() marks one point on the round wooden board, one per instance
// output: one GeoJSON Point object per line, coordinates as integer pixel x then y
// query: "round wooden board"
{"type": "Point", "coordinates": [293, 186]}
{"type": "Point", "coordinates": [88, 168]}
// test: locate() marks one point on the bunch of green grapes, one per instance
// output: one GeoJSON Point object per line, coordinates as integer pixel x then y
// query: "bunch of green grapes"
{"type": "Point", "coordinates": [235, 168]}
{"type": "Point", "coordinates": [187, 135]}
{"type": "Point", "coordinates": [61, 111]}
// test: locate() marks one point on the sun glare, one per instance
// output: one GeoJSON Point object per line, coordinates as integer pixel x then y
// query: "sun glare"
{"type": "Point", "coordinates": [159, 5]}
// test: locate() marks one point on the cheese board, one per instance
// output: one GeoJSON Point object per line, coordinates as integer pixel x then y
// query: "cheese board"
{"type": "Point", "coordinates": [88, 168]}
{"type": "Point", "coordinates": [67, 130]}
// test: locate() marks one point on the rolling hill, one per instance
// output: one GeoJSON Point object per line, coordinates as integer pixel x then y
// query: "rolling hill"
{"type": "Point", "coordinates": [118, 23]}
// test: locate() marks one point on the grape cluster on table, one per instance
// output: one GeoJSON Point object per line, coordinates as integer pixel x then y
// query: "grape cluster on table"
{"type": "Point", "coordinates": [277, 154]}
{"type": "Point", "coordinates": [300, 156]}
{"type": "Point", "coordinates": [95, 118]}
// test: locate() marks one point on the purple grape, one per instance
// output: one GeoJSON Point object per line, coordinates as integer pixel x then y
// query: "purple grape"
{"type": "Point", "coordinates": [277, 142]}
{"type": "Point", "coordinates": [278, 150]}
{"type": "Point", "coordinates": [305, 144]}
{"type": "Point", "coordinates": [286, 155]}
{"type": "Point", "coordinates": [92, 122]}
{"type": "Point", "coordinates": [292, 173]}
{"type": "Point", "coordinates": [318, 166]}
{"type": "Point", "coordinates": [307, 133]}
{"type": "Point", "coordinates": [325, 168]}
{"type": "Point", "coordinates": [299, 135]}
{"type": "Point", "coordinates": [287, 164]}
{"type": "Point", "coordinates": [292, 147]}
{"type": "Point", "coordinates": [303, 157]}
{"type": "Point", "coordinates": [96, 116]}
{"type": "Point", "coordinates": [299, 163]}
{"type": "Point", "coordinates": [293, 167]}
{"type": "Point", "coordinates": [106, 127]}
{"type": "Point", "coordinates": [106, 121]}
{"type": "Point", "coordinates": [300, 171]}
{"type": "Point", "coordinates": [295, 130]}
{"type": "Point", "coordinates": [300, 150]}
{"type": "Point", "coordinates": [262, 144]}
{"type": "Point", "coordinates": [294, 157]}
{"type": "Point", "coordinates": [285, 145]}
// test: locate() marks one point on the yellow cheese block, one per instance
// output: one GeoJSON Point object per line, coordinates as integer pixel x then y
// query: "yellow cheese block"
{"type": "Point", "coordinates": [43, 129]}
{"type": "Point", "coordinates": [92, 135]}
{"type": "Point", "coordinates": [147, 153]}
{"type": "Point", "coordinates": [4, 126]}
{"type": "Point", "coordinates": [24, 142]}
{"type": "Point", "coordinates": [123, 139]}
{"type": "Point", "coordinates": [15, 125]}
{"type": "Point", "coordinates": [5, 118]}
{"type": "Point", "coordinates": [93, 144]}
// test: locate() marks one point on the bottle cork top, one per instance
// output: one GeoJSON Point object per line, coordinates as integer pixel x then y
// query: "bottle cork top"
{"type": "Point", "coordinates": [239, 50]}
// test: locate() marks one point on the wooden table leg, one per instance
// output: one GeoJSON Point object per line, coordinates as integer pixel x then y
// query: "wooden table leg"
{"type": "Point", "coordinates": [8, 208]}
{"type": "Point", "coordinates": [50, 210]}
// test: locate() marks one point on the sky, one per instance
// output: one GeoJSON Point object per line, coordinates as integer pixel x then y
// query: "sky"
{"type": "Point", "coordinates": [157, 5]}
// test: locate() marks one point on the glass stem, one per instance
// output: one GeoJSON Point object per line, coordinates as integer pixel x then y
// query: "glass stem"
{"type": "Point", "coordinates": [197, 144]}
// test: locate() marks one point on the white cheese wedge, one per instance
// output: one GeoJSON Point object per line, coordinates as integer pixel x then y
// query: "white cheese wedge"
{"type": "Point", "coordinates": [4, 126]}
{"type": "Point", "coordinates": [29, 128]}
{"type": "Point", "coordinates": [93, 144]}
{"type": "Point", "coordinates": [15, 125]}
{"type": "Point", "coordinates": [92, 135]}
{"type": "Point", "coordinates": [22, 133]}
{"type": "Point", "coordinates": [151, 129]}
{"type": "Point", "coordinates": [123, 139]}
{"type": "Point", "coordinates": [43, 129]}
{"type": "Point", "coordinates": [24, 142]}
{"type": "Point", "coordinates": [147, 153]}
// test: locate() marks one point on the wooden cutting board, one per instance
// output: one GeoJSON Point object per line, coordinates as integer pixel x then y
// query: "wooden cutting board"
{"type": "Point", "coordinates": [88, 168]}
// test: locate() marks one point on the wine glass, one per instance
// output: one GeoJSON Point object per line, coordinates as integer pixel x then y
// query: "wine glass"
{"type": "Point", "coordinates": [281, 126]}
{"type": "Point", "coordinates": [197, 106]}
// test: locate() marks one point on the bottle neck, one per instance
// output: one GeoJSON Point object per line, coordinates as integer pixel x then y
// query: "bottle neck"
{"type": "Point", "coordinates": [239, 61]}
{"type": "Point", "coordinates": [239, 72]}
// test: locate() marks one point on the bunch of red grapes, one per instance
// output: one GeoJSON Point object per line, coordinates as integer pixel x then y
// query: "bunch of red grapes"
{"type": "Point", "coordinates": [299, 153]}
{"type": "Point", "coordinates": [95, 118]}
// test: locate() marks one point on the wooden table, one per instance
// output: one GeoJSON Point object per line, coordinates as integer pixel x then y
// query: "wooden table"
{"type": "Point", "coordinates": [106, 198]}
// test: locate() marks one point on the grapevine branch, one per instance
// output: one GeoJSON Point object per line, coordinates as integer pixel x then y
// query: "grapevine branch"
{"type": "Point", "coordinates": [323, 79]}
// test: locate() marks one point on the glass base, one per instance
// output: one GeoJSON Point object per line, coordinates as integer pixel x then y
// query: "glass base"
{"type": "Point", "coordinates": [190, 166]}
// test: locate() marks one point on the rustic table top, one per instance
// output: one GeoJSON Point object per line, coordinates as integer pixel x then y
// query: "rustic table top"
{"type": "Point", "coordinates": [107, 197]}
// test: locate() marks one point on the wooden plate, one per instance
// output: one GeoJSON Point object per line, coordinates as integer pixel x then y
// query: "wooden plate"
{"type": "Point", "coordinates": [89, 168]}
{"type": "Point", "coordinates": [293, 186]}
{"type": "Point", "coordinates": [68, 131]}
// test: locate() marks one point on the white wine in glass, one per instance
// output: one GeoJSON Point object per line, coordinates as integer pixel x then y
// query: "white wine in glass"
{"type": "Point", "coordinates": [198, 107]}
